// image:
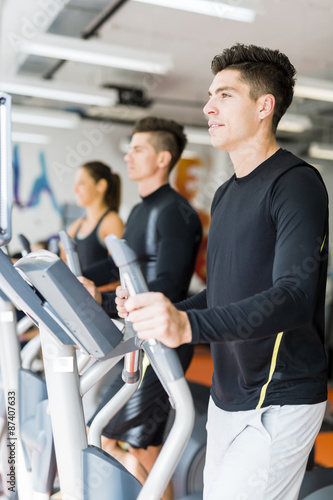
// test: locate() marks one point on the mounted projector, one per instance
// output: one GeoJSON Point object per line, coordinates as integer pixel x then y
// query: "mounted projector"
{"type": "Point", "coordinates": [130, 96]}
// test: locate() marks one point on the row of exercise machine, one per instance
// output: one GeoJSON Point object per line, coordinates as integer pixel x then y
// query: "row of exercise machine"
{"type": "Point", "coordinates": [43, 423]}
{"type": "Point", "coordinates": [43, 439]}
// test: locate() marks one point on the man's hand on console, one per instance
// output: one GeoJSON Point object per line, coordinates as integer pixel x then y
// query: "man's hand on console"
{"type": "Point", "coordinates": [154, 316]}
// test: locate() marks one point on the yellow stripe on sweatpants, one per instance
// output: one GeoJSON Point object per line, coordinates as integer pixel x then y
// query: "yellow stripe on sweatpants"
{"type": "Point", "coordinates": [145, 364]}
{"type": "Point", "coordinates": [271, 371]}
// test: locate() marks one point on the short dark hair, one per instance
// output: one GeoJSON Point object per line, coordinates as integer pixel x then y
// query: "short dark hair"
{"type": "Point", "coordinates": [98, 170]}
{"type": "Point", "coordinates": [166, 135]}
{"type": "Point", "coordinates": [266, 71]}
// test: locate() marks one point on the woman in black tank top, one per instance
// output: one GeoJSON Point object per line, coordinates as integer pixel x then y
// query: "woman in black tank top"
{"type": "Point", "coordinates": [97, 189]}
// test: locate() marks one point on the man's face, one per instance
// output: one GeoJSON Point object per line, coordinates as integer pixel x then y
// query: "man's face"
{"type": "Point", "coordinates": [142, 158]}
{"type": "Point", "coordinates": [233, 115]}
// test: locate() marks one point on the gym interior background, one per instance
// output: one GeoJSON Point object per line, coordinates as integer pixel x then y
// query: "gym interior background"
{"type": "Point", "coordinates": [81, 72]}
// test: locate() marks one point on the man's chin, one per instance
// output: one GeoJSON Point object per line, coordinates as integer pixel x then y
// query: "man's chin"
{"type": "Point", "coordinates": [216, 142]}
{"type": "Point", "coordinates": [131, 175]}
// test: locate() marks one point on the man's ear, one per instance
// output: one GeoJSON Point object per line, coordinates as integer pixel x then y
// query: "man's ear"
{"type": "Point", "coordinates": [266, 105]}
{"type": "Point", "coordinates": [164, 159]}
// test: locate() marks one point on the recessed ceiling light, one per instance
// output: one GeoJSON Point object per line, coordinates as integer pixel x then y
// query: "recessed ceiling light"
{"type": "Point", "coordinates": [295, 123]}
{"type": "Point", "coordinates": [99, 53]}
{"type": "Point", "coordinates": [321, 151]}
{"type": "Point", "coordinates": [59, 92]}
{"type": "Point", "coordinates": [209, 8]}
{"type": "Point", "coordinates": [198, 135]}
{"type": "Point", "coordinates": [30, 115]}
{"type": "Point", "coordinates": [31, 138]}
{"type": "Point", "coordinates": [312, 88]}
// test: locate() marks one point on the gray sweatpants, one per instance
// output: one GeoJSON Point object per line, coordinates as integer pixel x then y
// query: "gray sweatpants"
{"type": "Point", "coordinates": [259, 454]}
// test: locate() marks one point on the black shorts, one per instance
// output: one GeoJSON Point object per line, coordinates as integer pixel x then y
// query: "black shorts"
{"type": "Point", "coordinates": [141, 422]}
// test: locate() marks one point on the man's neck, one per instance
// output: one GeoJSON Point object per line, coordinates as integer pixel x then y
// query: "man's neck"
{"type": "Point", "coordinates": [248, 158]}
{"type": "Point", "coordinates": [146, 188]}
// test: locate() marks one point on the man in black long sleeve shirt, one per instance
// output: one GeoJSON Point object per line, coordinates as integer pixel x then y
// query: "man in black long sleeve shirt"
{"type": "Point", "coordinates": [263, 310]}
{"type": "Point", "coordinates": [165, 232]}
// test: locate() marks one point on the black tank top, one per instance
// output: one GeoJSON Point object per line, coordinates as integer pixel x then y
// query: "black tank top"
{"type": "Point", "coordinates": [90, 249]}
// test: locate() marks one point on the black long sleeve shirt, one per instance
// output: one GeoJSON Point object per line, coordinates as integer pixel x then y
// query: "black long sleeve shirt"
{"type": "Point", "coordinates": [165, 232]}
{"type": "Point", "coordinates": [263, 309]}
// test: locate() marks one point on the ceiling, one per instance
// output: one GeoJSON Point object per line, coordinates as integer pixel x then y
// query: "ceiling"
{"type": "Point", "coordinates": [188, 41]}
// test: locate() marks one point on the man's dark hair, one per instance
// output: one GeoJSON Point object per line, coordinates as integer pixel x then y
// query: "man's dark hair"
{"type": "Point", "coordinates": [166, 135]}
{"type": "Point", "coordinates": [266, 71]}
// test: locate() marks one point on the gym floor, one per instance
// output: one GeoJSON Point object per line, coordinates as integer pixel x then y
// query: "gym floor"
{"type": "Point", "coordinates": [201, 371]}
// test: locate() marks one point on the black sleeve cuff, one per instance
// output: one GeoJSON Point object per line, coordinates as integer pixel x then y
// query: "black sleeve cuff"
{"type": "Point", "coordinates": [109, 304]}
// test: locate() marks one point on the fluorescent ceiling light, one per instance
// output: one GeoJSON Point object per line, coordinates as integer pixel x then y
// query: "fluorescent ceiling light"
{"type": "Point", "coordinates": [198, 135]}
{"type": "Point", "coordinates": [31, 138]}
{"type": "Point", "coordinates": [311, 88]}
{"type": "Point", "coordinates": [321, 151]}
{"type": "Point", "coordinates": [188, 154]}
{"type": "Point", "coordinates": [44, 117]}
{"type": "Point", "coordinates": [208, 7]}
{"type": "Point", "coordinates": [295, 123]}
{"type": "Point", "coordinates": [59, 92]}
{"type": "Point", "coordinates": [95, 52]}
{"type": "Point", "coordinates": [121, 112]}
